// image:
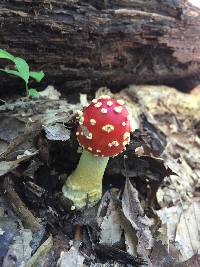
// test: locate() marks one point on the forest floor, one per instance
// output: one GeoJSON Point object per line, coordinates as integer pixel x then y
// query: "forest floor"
{"type": "Point", "coordinates": [149, 214]}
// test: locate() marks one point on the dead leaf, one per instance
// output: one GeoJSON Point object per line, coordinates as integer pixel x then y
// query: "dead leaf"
{"type": "Point", "coordinates": [57, 132]}
{"type": "Point", "coordinates": [192, 262]}
{"type": "Point", "coordinates": [109, 224]}
{"type": "Point", "coordinates": [183, 227]}
{"type": "Point", "coordinates": [10, 127]}
{"type": "Point", "coordinates": [20, 251]}
{"type": "Point", "coordinates": [50, 92]}
{"type": "Point", "coordinates": [40, 254]}
{"type": "Point", "coordinates": [3, 146]}
{"type": "Point", "coordinates": [114, 254]}
{"type": "Point", "coordinates": [71, 258]}
{"type": "Point", "coordinates": [8, 227]}
{"type": "Point", "coordinates": [6, 166]}
{"type": "Point", "coordinates": [112, 224]}
{"type": "Point", "coordinates": [173, 116]}
{"type": "Point", "coordinates": [160, 257]}
{"type": "Point", "coordinates": [83, 100]}
{"type": "Point", "coordinates": [134, 213]}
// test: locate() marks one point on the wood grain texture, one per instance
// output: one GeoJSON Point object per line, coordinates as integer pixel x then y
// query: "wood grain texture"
{"type": "Point", "coordinates": [82, 45]}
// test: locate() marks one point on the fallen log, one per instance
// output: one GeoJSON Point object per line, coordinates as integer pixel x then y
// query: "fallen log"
{"type": "Point", "coordinates": [82, 45]}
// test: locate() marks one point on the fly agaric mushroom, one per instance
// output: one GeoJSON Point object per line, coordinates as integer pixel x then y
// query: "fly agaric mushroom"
{"type": "Point", "coordinates": [103, 132]}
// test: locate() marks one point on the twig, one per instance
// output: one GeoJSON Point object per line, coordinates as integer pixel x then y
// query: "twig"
{"type": "Point", "coordinates": [40, 253]}
{"type": "Point", "coordinates": [78, 235]}
{"type": "Point", "coordinates": [19, 207]}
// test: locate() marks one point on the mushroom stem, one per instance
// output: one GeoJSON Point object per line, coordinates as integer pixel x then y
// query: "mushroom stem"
{"type": "Point", "coordinates": [84, 185]}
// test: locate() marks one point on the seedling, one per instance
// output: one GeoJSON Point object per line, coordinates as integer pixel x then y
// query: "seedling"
{"type": "Point", "coordinates": [22, 70]}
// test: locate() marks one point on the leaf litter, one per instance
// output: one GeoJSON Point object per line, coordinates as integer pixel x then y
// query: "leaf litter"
{"type": "Point", "coordinates": [151, 202]}
{"type": "Point", "coordinates": [134, 212]}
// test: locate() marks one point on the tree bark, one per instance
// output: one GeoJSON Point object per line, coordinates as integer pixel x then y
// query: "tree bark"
{"type": "Point", "coordinates": [82, 45]}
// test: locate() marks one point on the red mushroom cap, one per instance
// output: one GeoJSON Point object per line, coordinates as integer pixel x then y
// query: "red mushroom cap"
{"type": "Point", "coordinates": [104, 127]}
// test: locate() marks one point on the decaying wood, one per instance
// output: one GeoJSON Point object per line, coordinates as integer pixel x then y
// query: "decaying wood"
{"type": "Point", "coordinates": [82, 45]}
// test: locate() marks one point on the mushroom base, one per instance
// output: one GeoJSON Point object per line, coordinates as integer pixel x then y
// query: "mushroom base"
{"type": "Point", "coordinates": [84, 186]}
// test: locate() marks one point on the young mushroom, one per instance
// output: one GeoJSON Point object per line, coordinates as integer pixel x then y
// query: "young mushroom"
{"type": "Point", "coordinates": [103, 132]}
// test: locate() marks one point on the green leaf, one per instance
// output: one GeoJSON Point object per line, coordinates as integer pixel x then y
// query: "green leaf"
{"type": "Point", "coordinates": [37, 75]}
{"type": "Point", "coordinates": [13, 72]}
{"type": "Point", "coordinates": [32, 92]}
{"type": "Point", "coordinates": [22, 67]}
{"type": "Point", "coordinates": [6, 55]}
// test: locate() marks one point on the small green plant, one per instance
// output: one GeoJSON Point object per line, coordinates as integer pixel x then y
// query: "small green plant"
{"type": "Point", "coordinates": [22, 70]}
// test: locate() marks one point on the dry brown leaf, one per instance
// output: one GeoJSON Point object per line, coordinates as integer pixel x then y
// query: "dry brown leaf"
{"type": "Point", "coordinates": [183, 227]}
{"type": "Point", "coordinates": [113, 223]}
{"type": "Point", "coordinates": [134, 213]}
{"type": "Point", "coordinates": [109, 224]}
